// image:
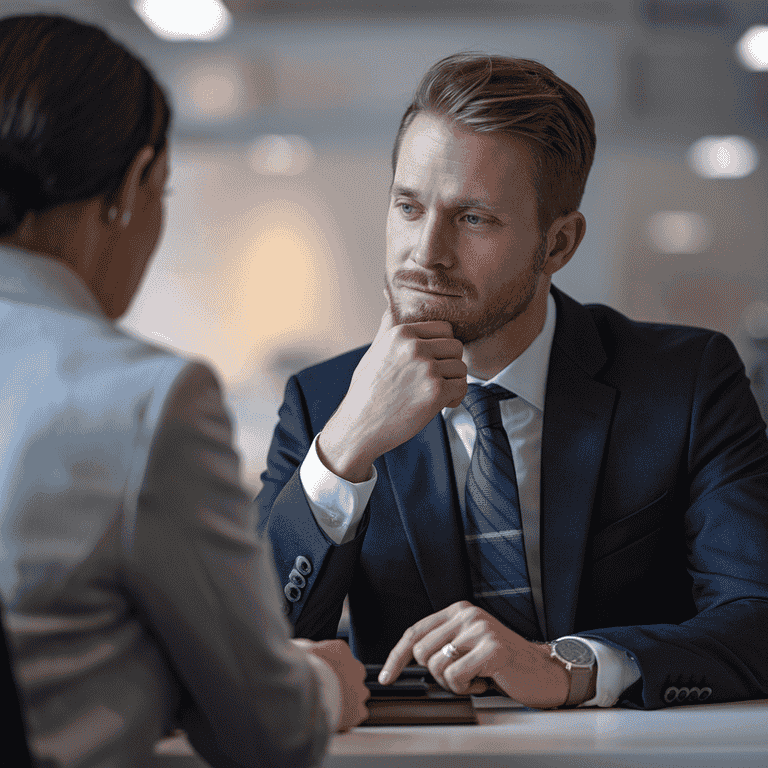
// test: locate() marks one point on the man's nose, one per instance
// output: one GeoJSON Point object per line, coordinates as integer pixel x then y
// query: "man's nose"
{"type": "Point", "coordinates": [433, 246]}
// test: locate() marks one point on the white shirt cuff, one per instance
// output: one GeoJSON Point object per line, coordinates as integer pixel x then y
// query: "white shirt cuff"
{"type": "Point", "coordinates": [616, 671]}
{"type": "Point", "coordinates": [330, 691]}
{"type": "Point", "coordinates": [336, 504]}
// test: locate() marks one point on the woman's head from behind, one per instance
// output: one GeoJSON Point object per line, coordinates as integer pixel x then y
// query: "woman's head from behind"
{"type": "Point", "coordinates": [81, 120]}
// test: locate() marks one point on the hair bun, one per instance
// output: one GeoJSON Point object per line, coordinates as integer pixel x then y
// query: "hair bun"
{"type": "Point", "coordinates": [22, 186]}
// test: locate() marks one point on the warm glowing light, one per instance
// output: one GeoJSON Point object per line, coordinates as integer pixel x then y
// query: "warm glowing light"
{"type": "Point", "coordinates": [214, 93]}
{"type": "Point", "coordinates": [724, 157]}
{"type": "Point", "coordinates": [185, 19]}
{"type": "Point", "coordinates": [281, 155]}
{"type": "Point", "coordinates": [208, 89]}
{"type": "Point", "coordinates": [678, 232]}
{"type": "Point", "coordinates": [752, 48]}
{"type": "Point", "coordinates": [273, 289]}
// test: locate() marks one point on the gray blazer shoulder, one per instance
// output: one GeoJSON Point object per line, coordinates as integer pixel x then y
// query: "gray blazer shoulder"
{"type": "Point", "coordinates": [137, 593]}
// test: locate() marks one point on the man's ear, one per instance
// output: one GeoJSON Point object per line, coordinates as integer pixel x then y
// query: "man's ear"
{"type": "Point", "coordinates": [125, 199]}
{"type": "Point", "coordinates": [563, 238]}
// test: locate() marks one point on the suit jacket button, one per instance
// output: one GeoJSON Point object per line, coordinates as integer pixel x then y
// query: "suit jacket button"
{"type": "Point", "coordinates": [292, 592]}
{"type": "Point", "coordinates": [296, 578]}
{"type": "Point", "coordinates": [704, 693]}
{"type": "Point", "coordinates": [670, 694]}
{"type": "Point", "coordinates": [682, 694]}
{"type": "Point", "coordinates": [286, 607]}
{"type": "Point", "coordinates": [303, 566]}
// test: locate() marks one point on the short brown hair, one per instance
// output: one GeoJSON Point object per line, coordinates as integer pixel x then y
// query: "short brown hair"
{"type": "Point", "coordinates": [522, 98]}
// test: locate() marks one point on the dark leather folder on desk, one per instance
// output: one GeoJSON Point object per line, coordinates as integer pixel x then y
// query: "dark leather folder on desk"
{"type": "Point", "coordinates": [415, 699]}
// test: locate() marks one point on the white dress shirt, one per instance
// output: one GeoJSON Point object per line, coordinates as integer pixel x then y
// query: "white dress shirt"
{"type": "Point", "coordinates": [338, 505]}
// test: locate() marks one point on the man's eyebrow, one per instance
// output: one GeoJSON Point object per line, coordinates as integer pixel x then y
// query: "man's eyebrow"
{"type": "Point", "coordinates": [473, 202]}
{"type": "Point", "coordinates": [403, 191]}
{"type": "Point", "coordinates": [464, 202]}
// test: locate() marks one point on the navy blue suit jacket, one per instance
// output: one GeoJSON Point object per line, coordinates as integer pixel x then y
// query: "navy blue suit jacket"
{"type": "Point", "coordinates": [654, 509]}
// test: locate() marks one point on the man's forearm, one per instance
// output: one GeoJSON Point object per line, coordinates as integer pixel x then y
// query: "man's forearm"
{"type": "Point", "coordinates": [343, 454]}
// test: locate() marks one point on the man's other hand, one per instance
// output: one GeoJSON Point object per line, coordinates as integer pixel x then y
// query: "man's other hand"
{"type": "Point", "coordinates": [351, 675]}
{"type": "Point", "coordinates": [484, 648]}
{"type": "Point", "coordinates": [407, 376]}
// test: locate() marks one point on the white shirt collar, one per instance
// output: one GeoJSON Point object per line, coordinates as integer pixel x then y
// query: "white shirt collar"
{"type": "Point", "coordinates": [38, 279]}
{"type": "Point", "coordinates": [527, 375]}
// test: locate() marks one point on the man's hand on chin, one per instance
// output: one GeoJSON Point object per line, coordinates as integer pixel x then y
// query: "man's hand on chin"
{"type": "Point", "coordinates": [484, 647]}
{"type": "Point", "coordinates": [407, 376]}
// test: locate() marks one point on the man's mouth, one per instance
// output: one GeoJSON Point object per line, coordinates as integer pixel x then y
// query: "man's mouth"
{"type": "Point", "coordinates": [430, 291]}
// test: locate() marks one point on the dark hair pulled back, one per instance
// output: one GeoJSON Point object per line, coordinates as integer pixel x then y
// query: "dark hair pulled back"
{"type": "Point", "coordinates": [75, 108]}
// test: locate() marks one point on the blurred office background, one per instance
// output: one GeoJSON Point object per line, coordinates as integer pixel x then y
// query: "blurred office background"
{"type": "Point", "coordinates": [285, 111]}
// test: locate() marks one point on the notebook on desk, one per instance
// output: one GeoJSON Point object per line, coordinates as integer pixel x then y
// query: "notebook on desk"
{"type": "Point", "coordinates": [427, 711]}
{"type": "Point", "coordinates": [414, 699]}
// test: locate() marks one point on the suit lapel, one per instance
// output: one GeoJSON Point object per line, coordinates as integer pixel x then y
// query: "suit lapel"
{"type": "Point", "coordinates": [421, 478]}
{"type": "Point", "coordinates": [577, 415]}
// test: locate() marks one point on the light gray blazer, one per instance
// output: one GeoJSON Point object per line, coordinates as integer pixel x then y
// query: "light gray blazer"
{"type": "Point", "coordinates": [137, 594]}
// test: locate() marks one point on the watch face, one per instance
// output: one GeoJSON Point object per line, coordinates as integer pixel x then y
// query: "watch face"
{"type": "Point", "coordinates": [575, 652]}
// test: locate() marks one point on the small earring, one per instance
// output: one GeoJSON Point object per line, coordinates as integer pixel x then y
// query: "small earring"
{"type": "Point", "coordinates": [112, 214]}
{"type": "Point", "coordinates": [126, 219]}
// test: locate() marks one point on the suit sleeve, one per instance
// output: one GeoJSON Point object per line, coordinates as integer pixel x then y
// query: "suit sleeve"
{"type": "Point", "coordinates": [286, 520]}
{"type": "Point", "coordinates": [206, 586]}
{"type": "Point", "coordinates": [723, 649]}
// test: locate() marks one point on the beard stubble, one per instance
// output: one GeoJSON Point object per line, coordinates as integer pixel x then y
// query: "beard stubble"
{"type": "Point", "coordinates": [468, 325]}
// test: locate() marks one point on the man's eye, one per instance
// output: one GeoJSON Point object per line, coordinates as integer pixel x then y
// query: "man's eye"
{"type": "Point", "coordinates": [473, 218]}
{"type": "Point", "coordinates": [406, 208]}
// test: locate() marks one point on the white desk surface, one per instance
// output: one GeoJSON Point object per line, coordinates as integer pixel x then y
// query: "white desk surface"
{"type": "Point", "coordinates": [696, 736]}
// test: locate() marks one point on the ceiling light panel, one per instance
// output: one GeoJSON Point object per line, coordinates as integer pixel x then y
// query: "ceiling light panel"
{"type": "Point", "coordinates": [185, 19]}
{"type": "Point", "coordinates": [723, 157]}
{"type": "Point", "coordinates": [752, 48]}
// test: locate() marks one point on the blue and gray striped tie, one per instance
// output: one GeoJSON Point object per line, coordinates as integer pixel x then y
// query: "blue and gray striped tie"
{"type": "Point", "coordinates": [493, 529]}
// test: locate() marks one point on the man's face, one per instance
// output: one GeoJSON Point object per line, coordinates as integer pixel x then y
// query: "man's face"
{"type": "Point", "coordinates": [463, 237]}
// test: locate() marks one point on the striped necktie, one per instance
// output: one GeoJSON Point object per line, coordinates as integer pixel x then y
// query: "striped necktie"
{"type": "Point", "coordinates": [492, 525]}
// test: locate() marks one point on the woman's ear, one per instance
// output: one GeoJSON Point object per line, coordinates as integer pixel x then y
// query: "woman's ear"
{"type": "Point", "coordinates": [563, 238]}
{"type": "Point", "coordinates": [124, 202]}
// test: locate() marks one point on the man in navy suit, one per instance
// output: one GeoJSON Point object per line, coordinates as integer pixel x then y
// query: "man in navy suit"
{"type": "Point", "coordinates": [637, 520]}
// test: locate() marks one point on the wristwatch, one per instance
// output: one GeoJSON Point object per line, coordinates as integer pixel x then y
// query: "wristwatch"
{"type": "Point", "coordinates": [579, 660]}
